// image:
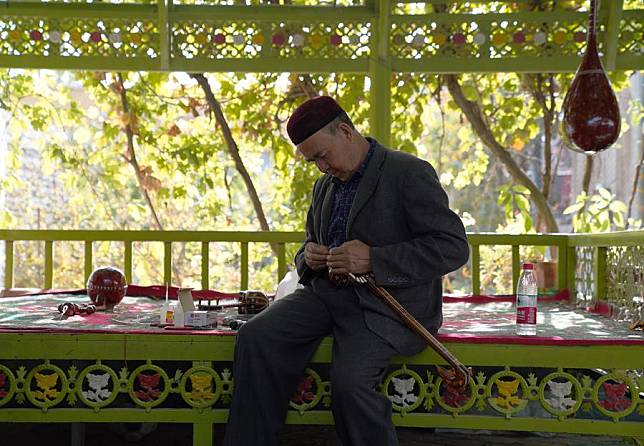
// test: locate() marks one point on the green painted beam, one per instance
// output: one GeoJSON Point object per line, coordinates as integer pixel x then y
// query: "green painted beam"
{"type": "Point", "coordinates": [518, 355]}
{"type": "Point", "coordinates": [80, 63]}
{"type": "Point", "coordinates": [244, 266]}
{"type": "Point", "coordinates": [88, 260]}
{"type": "Point", "coordinates": [437, 65]}
{"type": "Point", "coordinates": [127, 262]}
{"type": "Point", "coordinates": [121, 415]}
{"type": "Point", "coordinates": [164, 346]}
{"type": "Point", "coordinates": [491, 238]}
{"type": "Point", "coordinates": [529, 424]}
{"type": "Point", "coordinates": [281, 261]}
{"type": "Point", "coordinates": [476, 270]}
{"type": "Point", "coordinates": [58, 10]}
{"type": "Point", "coordinates": [164, 33]}
{"type": "Point", "coordinates": [617, 238]}
{"type": "Point", "coordinates": [516, 267]}
{"type": "Point", "coordinates": [162, 415]}
{"type": "Point", "coordinates": [8, 264]}
{"type": "Point", "coordinates": [202, 434]}
{"type": "Point", "coordinates": [612, 32]}
{"type": "Point", "coordinates": [272, 64]}
{"type": "Point", "coordinates": [209, 347]}
{"type": "Point", "coordinates": [205, 265]}
{"type": "Point", "coordinates": [562, 266]}
{"type": "Point", "coordinates": [167, 263]}
{"type": "Point", "coordinates": [49, 264]}
{"type": "Point", "coordinates": [520, 64]}
{"type": "Point", "coordinates": [600, 272]}
{"type": "Point", "coordinates": [380, 75]}
{"type": "Point", "coordinates": [153, 236]}
{"type": "Point", "coordinates": [530, 17]}
{"type": "Point", "coordinates": [280, 13]}
{"type": "Point", "coordinates": [571, 263]}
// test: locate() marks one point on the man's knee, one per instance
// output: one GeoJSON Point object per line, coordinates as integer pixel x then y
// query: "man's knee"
{"type": "Point", "coordinates": [347, 381]}
{"type": "Point", "coordinates": [253, 330]}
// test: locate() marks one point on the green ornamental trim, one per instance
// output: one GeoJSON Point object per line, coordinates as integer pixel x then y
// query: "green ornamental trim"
{"type": "Point", "coordinates": [615, 404]}
{"type": "Point", "coordinates": [405, 400]}
{"type": "Point", "coordinates": [52, 386]}
{"type": "Point", "coordinates": [97, 394]}
{"type": "Point", "coordinates": [7, 379]}
{"type": "Point", "coordinates": [261, 38]}
{"type": "Point", "coordinates": [452, 400]}
{"type": "Point", "coordinates": [143, 388]}
{"type": "Point", "coordinates": [507, 402]}
{"type": "Point", "coordinates": [205, 387]}
{"type": "Point", "coordinates": [303, 392]}
{"type": "Point", "coordinates": [559, 403]}
{"type": "Point", "coordinates": [226, 386]}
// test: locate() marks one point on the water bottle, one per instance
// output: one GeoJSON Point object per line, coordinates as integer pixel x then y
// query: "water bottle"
{"type": "Point", "coordinates": [527, 301]}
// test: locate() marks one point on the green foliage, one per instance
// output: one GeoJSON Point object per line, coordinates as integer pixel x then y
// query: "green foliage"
{"type": "Point", "coordinates": [182, 158]}
{"type": "Point", "coordinates": [600, 212]}
{"type": "Point", "coordinates": [516, 199]}
{"type": "Point", "coordinates": [79, 122]}
{"type": "Point", "coordinates": [496, 261]}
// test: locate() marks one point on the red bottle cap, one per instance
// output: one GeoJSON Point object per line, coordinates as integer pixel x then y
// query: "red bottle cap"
{"type": "Point", "coordinates": [528, 266]}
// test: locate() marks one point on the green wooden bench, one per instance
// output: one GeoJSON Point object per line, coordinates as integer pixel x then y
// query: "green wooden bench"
{"type": "Point", "coordinates": [186, 378]}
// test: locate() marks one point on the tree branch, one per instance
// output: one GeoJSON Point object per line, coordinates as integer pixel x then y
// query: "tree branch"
{"type": "Point", "coordinates": [233, 150]}
{"type": "Point", "coordinates": [474, 115]}
{"type": "Point", "coordinates": [131, 158]}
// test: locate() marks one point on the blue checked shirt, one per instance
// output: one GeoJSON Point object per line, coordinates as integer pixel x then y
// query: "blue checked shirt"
{"type": "Point", "coordinates": [343, 200]}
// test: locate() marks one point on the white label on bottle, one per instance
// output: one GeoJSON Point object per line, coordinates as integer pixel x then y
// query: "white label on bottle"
{"type": "Point", "coordinates": [527, 315]}
{"type": "Point", "coordinates": [526, 310]}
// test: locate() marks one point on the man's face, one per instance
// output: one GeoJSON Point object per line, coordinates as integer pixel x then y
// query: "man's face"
{"type": "Point", "coordinates": [331, 153]}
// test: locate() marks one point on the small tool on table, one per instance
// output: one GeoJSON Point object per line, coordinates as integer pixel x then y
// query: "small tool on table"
{"type": "Point", "coordinates": [70, 309]}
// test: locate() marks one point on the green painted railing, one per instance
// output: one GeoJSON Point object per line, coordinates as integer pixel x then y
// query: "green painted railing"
{"type": "Point", "coordinates": [516, 242]}
{"type": "Point", "coordinates": [615, 256]}
{"type": "Point", "coordinates": [610, 268]}
{"type": "Point", "coordinates": [50, 237]}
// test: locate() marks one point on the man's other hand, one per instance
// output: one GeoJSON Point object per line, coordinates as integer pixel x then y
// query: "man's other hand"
{"type": "Point", "coordinates": [350, 257]}
{"type": "Point", "coordinates": [315, 256]}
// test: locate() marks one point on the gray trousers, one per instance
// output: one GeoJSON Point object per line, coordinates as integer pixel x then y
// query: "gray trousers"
{"type": "Point", "coordinates": [273, 349]}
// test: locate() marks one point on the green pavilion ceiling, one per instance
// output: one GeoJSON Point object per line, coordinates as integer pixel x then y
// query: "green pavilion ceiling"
{"type": "Point", "coordinates": [353, 36]}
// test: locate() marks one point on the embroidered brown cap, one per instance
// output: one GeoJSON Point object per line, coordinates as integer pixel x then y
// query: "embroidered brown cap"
{"type": "Point", "coordinates": [311, 116]}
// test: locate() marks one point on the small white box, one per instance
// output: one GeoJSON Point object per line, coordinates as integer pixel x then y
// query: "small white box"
{"type": "Point", "coordinates": [201, 318]}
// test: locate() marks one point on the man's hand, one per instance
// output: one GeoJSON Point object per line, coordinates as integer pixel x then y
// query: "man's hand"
{"type": "Point", "coordinates": [350, 257]}
{"type": "Point", "coordinates": [315, 256]}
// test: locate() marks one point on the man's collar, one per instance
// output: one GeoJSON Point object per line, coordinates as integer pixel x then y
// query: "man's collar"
{"type": "Point", "coordinates": [358, 173]}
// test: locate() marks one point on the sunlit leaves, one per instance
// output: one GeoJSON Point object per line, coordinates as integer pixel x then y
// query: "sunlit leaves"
{"type": "Point", "coordinates": [600, 212]}
{"type": "Point", "coordinates": [515, 199]}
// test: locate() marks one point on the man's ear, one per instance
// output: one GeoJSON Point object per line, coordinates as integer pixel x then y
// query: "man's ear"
{"type": "Point", "coordinates": [346, 130]}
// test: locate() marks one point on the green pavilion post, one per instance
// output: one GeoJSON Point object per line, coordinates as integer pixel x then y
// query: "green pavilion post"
{"type": "Point", "coordinates": [380, 73]}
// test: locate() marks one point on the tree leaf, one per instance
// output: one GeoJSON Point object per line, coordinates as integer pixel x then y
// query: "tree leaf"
{"type": "Point", "coordinates": [573, 208]}
{"type": "Point", "coordinates": [618, 206]}
{"type": "Point", "coordinates": [523, 204]}
{"type": "Point", "coordinates": [605, 194]}
{"type": "Point", "coordinates": [470, 93]}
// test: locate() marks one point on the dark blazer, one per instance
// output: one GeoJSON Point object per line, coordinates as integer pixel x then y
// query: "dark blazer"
{"type": "Point", "coordinates": [401, 211]}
